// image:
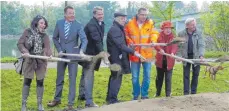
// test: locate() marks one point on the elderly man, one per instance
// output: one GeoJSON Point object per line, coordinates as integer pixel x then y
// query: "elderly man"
{"type": "Point", "coordinates": [140, 30]}
{"type": "Point", "coordinates": [192, 49]}
{"type": "Point", "coordinates": [95, 32]}
{"type": "Point", "coordinates": [118, 50]}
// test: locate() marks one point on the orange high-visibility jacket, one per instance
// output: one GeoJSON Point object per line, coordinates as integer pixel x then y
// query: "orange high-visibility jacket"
{"type": "Point", "coordinates": [135, 35]}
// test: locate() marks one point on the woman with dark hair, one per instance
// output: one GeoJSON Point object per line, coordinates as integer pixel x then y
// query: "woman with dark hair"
{"type": "Point", "coordinates": [165, 64]}
{"type": "Point", "coordinates": [34, 41]}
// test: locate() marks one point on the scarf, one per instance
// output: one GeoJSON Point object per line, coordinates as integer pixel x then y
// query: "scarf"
{"type": "Point", "coordinates": [36, 42]}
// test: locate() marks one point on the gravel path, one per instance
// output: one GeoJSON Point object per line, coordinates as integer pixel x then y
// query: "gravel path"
{"type": "Point", "coordinates": [198, 102]}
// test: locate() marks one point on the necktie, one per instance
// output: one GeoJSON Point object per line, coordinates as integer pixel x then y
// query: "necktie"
{"type": "Point", "coordinates": [66, 29]}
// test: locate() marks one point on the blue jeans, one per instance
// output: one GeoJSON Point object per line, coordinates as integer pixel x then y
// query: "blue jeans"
{"type": "Point", "coordinates": [135, 70]}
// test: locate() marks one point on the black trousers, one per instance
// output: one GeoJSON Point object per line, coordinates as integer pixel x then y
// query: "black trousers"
{"type": "Point", "coordinates": [161, 74]}
{"type": "Point", "coordinates": [114, 84]}
{"type": "Point", "coordinates": [186, 77]}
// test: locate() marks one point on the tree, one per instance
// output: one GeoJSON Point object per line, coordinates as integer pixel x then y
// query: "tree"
{"type": "Point", "coordinates": [109, 8]}
{"type": "Point", "coordinates": [179, 5]}
{"type": "Point", "coordinates": [131, 9]}
{"type": "Point", "coordinates": [163, 11]}
{"type": "Point", "coordinates": [10, 17]}
{"type": "Point", "coordinates": [179, 8]}
{"type": "Point", "coordinates": [205, 6]}
{"type": "Point", "coordinates": [82, 13]}
{"type": "Point", "coordinates": [191, 7]}
{"type": "Point", "coordinates": [215, 24]}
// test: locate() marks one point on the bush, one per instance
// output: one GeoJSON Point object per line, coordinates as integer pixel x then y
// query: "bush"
{"type": "Point", "coordinates": [215, 54]}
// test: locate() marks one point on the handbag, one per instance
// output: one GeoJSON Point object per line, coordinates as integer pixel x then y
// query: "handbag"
{"type": "Point", "coordinates": [18, 65]}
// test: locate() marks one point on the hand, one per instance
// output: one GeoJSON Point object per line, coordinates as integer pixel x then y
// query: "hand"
{"type": "Point", "coordinates": [81, 52]}
{"type": "Point", "coordinates": [106, 62]}
{"type": "Point", "coordinates": [131, 45]}
{"type": "Point", "coordinates": [172, 54]}
{"type": "Point", "coordinates": [139, 56]}
{"type": "Point", "coordinates": [178, 60]}
{"type": "Point", "coordinates": [60, 54]}
{"type": "Point", "coordinates": [201, 58]}
{"type": "Point", "coordinates": [162, 51]}
{"type": "Point", "coordinates": [25, 54]}
{"type": "Point", "coordinates": [50, 56]}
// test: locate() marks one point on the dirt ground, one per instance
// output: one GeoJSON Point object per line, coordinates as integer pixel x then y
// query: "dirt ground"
{"type": "Point", "coordinates": [198, 102]}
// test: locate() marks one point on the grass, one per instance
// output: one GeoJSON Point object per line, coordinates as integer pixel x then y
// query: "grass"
{"type": "Point", "coordinates": [215, 54]}
{"type": "Point", "coordinates": [8, 60]}
{"type": "Point", "coordinates": [11, 86]}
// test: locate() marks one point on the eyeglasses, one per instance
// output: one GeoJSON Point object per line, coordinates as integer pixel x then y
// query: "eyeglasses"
{"type": "Point", "coordinates": [143, 14]}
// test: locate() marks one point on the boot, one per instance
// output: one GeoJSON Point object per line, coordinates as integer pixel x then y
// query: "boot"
{"type": "Point", "coordinates": [25, 94]}
{"type": "Point", "coordinates": [40, 91]}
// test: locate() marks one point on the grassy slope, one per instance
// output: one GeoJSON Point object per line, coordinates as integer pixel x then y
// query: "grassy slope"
{"type": "Point", "coordinates": [11, 87]}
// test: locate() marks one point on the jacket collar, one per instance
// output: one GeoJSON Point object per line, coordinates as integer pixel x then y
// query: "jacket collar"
{"type": "Point", "coordinates": [193, 33]}
{"type": "Point", "coordinates": [136, 18]}
{"type": "Point", "coordinates": [97, 20]}
{"type": "Point", "coordinates": [120, 26]}
{"type": "Point", "coordinates": [164, 37]}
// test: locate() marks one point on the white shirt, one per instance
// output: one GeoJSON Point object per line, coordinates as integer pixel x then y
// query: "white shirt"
{"type": "Point", "coordinates": [140, 25]}
{"type": "Point", "coordinates": [100, 23]}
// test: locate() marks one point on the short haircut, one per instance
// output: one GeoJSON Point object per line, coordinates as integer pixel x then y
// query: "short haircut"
{"type": "Point", "coordinates": [67, 7]}
{"type": "Point", "coordinates": [142, 9]}
{"type": "Point", "coordinates": [96, 8]}
{"type": "Point", "coordinates": [35, 21]}
{"type": "Point", "coordinates": [189, 20]}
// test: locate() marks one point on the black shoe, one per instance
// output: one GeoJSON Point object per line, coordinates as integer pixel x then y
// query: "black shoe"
{"type": "Point", "coordinates": [91, 105]}
{"type": "Point", "coordinates": [82, 98]}
{"type": "Point", "coordinates": [156, 95]}
{"type": "Point", "coordinates": [135, 98]}
{"type": "Point", "coordinates": [168, 95]}
{"type": "Point", "coordinates": [113, 102]}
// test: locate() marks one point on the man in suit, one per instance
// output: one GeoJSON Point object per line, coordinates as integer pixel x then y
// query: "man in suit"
{"type": "Point", "coordinates": [95, 32]}
{"type": "Point", "coordinates": [118, 50]}
{"type": "Point", "coordinates": [65, 37]}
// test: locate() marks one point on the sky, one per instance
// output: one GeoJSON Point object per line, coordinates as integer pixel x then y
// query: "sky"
{"type": "Point", "coordinates": [123, 3]}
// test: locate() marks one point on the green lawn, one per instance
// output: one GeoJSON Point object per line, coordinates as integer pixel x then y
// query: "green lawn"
{"type": "Point", "coordinates": [11, 87]}
{"type": "Point", "coordinates": [8, 60]}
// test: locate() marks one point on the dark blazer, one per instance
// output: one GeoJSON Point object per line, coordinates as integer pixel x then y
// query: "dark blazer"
{"type": "Point", "coordinates": [69, 45]}
{"type": "Point", "coordinates": [95, 34]}
{"type": "Point", "coordinates": [117, 47]}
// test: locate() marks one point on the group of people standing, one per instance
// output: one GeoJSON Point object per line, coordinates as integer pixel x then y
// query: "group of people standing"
{"type": "Point", "coordinates": [121, 38]}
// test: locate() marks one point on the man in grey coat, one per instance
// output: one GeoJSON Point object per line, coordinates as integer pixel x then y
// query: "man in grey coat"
{"type": "Point", "coordinates": [65, 37]}
{"type": "Point", "coordinates": [193, 48]}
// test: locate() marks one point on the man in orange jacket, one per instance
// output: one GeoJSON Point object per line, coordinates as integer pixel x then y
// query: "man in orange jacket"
{"type": "Point", "coordinates": [140, 30]}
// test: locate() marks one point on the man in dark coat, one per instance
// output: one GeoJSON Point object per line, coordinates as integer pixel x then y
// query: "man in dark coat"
{"type": "Point", "coordinates": [95, 32]}
{"type": "Point", "coordinates": [118, 50]}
